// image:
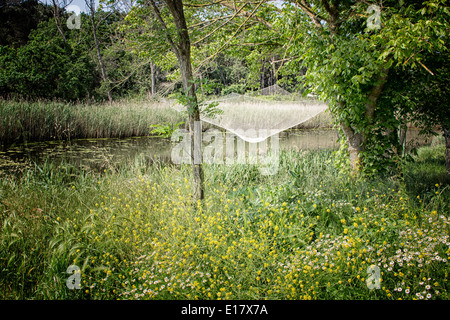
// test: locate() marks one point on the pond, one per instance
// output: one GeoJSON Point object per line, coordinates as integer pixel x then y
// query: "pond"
{"type": "Point", "coordinates": [100, 153]}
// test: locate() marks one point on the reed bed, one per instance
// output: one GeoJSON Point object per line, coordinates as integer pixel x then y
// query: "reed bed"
{"type": "Point", "coordinates": [22, 120]}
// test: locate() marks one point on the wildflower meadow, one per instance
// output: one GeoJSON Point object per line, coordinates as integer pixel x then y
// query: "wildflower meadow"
{"type": "Point", "coordinates": [308, 232]}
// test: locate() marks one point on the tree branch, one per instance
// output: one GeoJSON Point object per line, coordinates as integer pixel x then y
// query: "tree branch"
{"type": "Point", "coordinates": [333, 12]}
{"type": "Point", "coordinates": [223, 24]}
{"type": "Point", "coordinates": [164, 26]}
{"type": "Point", "coordinates": [307, 9]}
{"type": "Point", "coordinates": [235, 33]}
{"type": "Point", "coordinates": [246, 13]}
{"type": "Point", "coordinates": [375, 93]}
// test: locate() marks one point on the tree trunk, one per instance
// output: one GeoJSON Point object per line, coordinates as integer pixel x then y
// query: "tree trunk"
{"type": "Point", "coordinates": [402, 131]}
{"type": "Point", "coordinates": [262, 75]}
{"type": "Point", "coordinates": [91, 6]}
{"type": "Point", "coordinates": [274, 72]}
{"type": "Point", "coordinates": [100, 60]}
{"type": "Point", "coordinates": [182, 50]}
{"type": "Point", "coordinates": [194, 117]}
{"type": "Point", "coordinates": [357, 140]}
{"type": "Point", "coordinates": [57, 22]}
{"type": "Point", "coordinates": [375, 94]}
{"type": "Point", "coordinates": [355, 146]}
{"type": "Point", "coordinates": [447, 149]}
{"type": "Point", "coordinates": [153, 78]}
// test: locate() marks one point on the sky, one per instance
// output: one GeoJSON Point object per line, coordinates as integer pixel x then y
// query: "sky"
{"type": "Point", "coordinates": [79, 3]}
{"type": "Point", "coordinates": [82, 5]}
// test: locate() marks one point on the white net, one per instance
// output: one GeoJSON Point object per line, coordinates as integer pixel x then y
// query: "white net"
{"type": "Point", "coordinates": [254, 119]}
{"type": "Point", "coordinates": [274, 89]}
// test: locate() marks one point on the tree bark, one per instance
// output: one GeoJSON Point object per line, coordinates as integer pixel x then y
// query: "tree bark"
{"type": "Point", "coordinates": [91, 6]}
{"type": "Point", "coordinates": [182, 49]}
{"type": "Point", "coordinates": [355, 146]}
{"type": "Point", "coordinates": [402, 131]}
{"type": "Point", "coordinates": [100, 59]}
{"type": "Point", "coordinates": [57, 22]}
{"type": "Point", "coordinates": [375, 93]}
{"type": "Point", "coordinates": [153, 72]}
{"type": "Point", "coordinates": [357, 140]}
{"type": "Point", "coordinates": [447, 149]}
{"type": "Point", "coordinates": [274, 71]}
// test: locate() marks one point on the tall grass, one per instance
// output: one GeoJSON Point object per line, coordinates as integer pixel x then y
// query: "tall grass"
{"type": "Point", "coordinates": [41, 120]}
{"type": "Point", "coordinates": [305, 233]}
{"type": "Point", "coordinates": [22, 120]}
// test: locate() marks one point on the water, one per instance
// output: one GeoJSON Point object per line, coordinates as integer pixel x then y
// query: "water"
{"type": "Point", "coordinates": [101, 153]}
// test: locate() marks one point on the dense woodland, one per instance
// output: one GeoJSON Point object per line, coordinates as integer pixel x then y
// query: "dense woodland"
{"type": "Point", "coordinates": [42, 58]}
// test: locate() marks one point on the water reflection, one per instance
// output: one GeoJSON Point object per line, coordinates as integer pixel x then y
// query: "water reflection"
{"type": "Point", "coordinates": [101, 153]}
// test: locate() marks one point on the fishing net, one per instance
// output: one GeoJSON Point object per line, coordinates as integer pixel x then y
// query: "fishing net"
{"type": "Point", "coordinates": [274, 89]}
{"type": "Point", "coordinates": [255, 119]}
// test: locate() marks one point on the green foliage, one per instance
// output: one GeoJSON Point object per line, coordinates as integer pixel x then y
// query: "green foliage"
{"type": "Point", "coordinates": [341, 60]}
{"type": "Point", "coordinates": [165, 130]}
{"type": "Point", "coordinates": [208, 109]}
{"type": "Point", "coordinates": [46, 67]}
{"type": "Point", "coordinates": [18, 18]}
{"type": "Point", "coordinates": [345, 62]}
{"type": "Point", "coordinates": [52, 67]}
{"type": "Point", "coordinates": [234, 88]}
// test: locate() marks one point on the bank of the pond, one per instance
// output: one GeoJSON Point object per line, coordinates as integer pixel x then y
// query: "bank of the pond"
{"type": "Point", "coordinates": [307, 232]}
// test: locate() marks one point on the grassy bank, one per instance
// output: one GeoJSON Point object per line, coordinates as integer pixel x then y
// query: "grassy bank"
{"type": "Point", "coordinates": [305, 233]}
